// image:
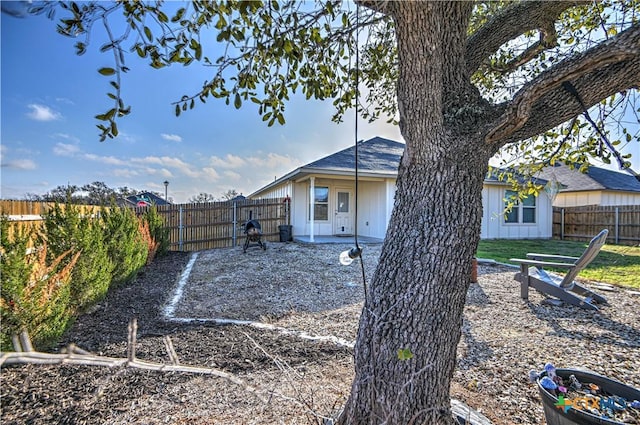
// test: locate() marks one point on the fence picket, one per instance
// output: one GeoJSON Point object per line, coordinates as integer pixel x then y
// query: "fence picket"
{"type": "Point", "coordinates": [582, 223]}
{"type": "Point", "coordinates": [192, 227]}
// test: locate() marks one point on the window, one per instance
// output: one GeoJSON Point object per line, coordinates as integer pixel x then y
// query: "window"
{"type": "Point", "coordinates": [343, 202]}
{"type": "Point", "coordinates": [320, 204]}
{"type": "Point", "coordinates": [523, 211]}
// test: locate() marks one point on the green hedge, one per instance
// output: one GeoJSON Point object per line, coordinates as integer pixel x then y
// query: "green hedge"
{"type": "Point", "coordinates": [77, 259]}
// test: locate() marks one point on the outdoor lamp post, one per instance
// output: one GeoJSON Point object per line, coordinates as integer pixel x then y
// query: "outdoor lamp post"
{"type": "Point", "coordinates": [166, 185]}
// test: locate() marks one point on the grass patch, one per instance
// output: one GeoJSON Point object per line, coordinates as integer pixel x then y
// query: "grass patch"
{"type": "Point", "coordinates": [615, 264]}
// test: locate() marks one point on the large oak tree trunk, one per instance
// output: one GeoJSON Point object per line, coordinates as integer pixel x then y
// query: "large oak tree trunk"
{"type": "Point", "coordinates": [416, 298]}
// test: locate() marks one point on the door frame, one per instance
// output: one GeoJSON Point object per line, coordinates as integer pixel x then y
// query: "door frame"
{"type": "Point", "coordinates": [350, 215]}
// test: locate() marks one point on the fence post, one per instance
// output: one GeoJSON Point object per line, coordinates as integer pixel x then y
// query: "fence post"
{"type": "Point", "coordinates": [562, 224]}
{"type": "Point", "coordinates": [235, 223]}
{"type": "Point", "coordinates": [180, 229]}
{"type": "Point", "coordinates": [617, 224]}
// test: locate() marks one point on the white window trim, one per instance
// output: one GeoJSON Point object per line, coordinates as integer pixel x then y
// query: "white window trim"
{"type": "Point", "coordinates": [520, 209]}
{"type": "Point", "coordinates": [310, 205]}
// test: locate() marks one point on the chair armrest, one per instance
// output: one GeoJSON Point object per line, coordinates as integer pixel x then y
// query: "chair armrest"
{"type": "Point", "coordinates": [542, 263]}
{"type": "Point", "coordinates": [533, 255]}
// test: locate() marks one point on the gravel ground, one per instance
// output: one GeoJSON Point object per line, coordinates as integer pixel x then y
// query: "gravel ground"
{"type": "Point", "coordinates": [296, 313]}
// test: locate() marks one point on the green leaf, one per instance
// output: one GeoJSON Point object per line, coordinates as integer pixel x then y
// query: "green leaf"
{"type": "Point", "coordinates": [81, 48]}
{"type": "Point", "coordinates": [179, 15]}
{"type": "Point", "coordinates": [147, 32]}
{"type": "Point", "coordinates": [288, 47]}
{"type": "Point", "coordinates": [237, 102]}
{"type": "Point", "coordinates": [107, 71]}
{"type": "Point", "coordinates": [405, 354]}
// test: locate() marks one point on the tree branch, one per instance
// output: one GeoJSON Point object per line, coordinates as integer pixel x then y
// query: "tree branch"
{"type": "Point", "coordinates": [508, 25]}
{"type": "Point", "coordinates": [542, 104]}
{"type": "Point", "coordinates": [548, 39]}
{"type": "Point", "coordinates": [74, 355]}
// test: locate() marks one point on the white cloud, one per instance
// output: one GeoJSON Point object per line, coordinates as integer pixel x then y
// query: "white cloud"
{"type": "Point", "coordinates": [210, 173]}
{"type": "Point", "coordinates": [65, 100]}
{"type": "Point", "coordinates": [166, 161]}
{"type": "Point", "coordinates": [165, 173]}
{"type": "Point", "coordinates": [67, 137]}
{"type": "Point", "coordinates": [109, 160]}
{"type": "Point", "coordinates": [273, 161]}
{"type": "Point", "coordinates": [42, 113]}
{"type": "Point", "coordinates": [124, 172]}
{"type": "Point", "coordinates": [232, 175]}
{"type": "Point", "coordinates": [229, 161]}
{"type": "Point", "coordinates": [20, 164]}
{"type": "Point", "coordinates": [65, 149]}
{"type": "Point", "coordinates": [171, 137]}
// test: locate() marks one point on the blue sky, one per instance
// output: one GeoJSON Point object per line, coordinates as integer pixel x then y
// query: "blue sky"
{"type": "Point", "coordinates": [50, 96]}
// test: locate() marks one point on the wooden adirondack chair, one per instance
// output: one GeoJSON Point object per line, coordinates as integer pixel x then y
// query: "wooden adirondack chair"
{"type": "Point", "coordinates": [532, 274]}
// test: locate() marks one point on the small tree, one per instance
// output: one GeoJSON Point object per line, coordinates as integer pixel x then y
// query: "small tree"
{"type": "Point", "coordinates": [229, 194]}
{"type": "Point", "coordinates": [158, 241]}
{"type": "Point", "coordinates": [35, 293]}
{"type": "Point", "coordinates": [126, 245]}
{"type": "Point", "coordinates": [202, 197]}
{"type": "Point", "coordinates": [67, 229]}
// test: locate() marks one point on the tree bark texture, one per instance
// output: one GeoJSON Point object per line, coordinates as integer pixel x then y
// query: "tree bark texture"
{"type": "Point", "coordinates": [417, 295]}
{"type": "Point", "coordinates": [405, 352]}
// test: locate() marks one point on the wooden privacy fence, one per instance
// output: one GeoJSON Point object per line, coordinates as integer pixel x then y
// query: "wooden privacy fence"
{"type": "Point", "coordinates": [194, 227]}
{"type": "Point", "coordinates": [583, 223]}
{"type": "Point", "coordinates": [28, 215]}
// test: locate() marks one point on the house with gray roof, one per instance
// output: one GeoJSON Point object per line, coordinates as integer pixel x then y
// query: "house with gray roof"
{"type": "Point", "coordinates": [596, 186]}
{"type": "Point", "coordinates": [322, 197]}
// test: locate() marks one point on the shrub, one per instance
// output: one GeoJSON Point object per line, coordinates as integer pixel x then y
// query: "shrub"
{"type": "Point", "coordinates": [67, 229]}
{"type": "Point", "coordinates": [149, 241]}
{"type": "Point", "coordinates": [35, 292]}
{"type": "Point", "coordinates": [157, 230]}
{"type": "Point", "coordinates": [126, 246]}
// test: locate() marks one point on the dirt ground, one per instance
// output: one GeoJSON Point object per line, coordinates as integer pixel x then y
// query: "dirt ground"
{"type": "Point", "coordinates": [307, 308]}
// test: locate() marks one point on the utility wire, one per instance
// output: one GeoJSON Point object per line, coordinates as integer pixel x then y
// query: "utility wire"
{"type": "Point", "coordinates": [357, 81]}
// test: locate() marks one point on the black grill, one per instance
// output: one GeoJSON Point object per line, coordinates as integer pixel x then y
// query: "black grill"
{"type": "Point", "coordinates": [253, 230]}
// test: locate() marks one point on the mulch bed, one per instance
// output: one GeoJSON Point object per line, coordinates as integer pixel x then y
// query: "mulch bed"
{"type": "Point", "coordinates": [503, 338]}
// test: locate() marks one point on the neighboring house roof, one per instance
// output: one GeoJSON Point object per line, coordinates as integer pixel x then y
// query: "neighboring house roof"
{"type": "Point", "coordinates": [144, 199]}
{"type": "Point", "coordinates": [377, 157]}
{"type": "Point", "coordinates": [493, 176]}
{"type": "Point", "coordinates": [593, 179]}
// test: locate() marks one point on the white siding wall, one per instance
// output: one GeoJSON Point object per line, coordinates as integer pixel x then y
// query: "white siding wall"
{"type": "Point", "coordinates": [391, 199]}
{"type": "Point", "coordinates": [576, 199]}
{"type": "Point", "coordinates": [375, 201]}
{"type": "Point", "coordinates": [604, 198]}
{"type": "Point", "coordinates": [375, 204]}
{"type": "Point", "coordinates": [281, 191]}
{"type": "Point", "coordinates": [372, 209]}
{"type": "Point", "coordinates": [494, 227]}
{"type": "Point", "coordinates": [299, 209]}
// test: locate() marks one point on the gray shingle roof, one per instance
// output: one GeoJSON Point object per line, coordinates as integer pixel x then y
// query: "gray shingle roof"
{"type": "Point", "coordinates": [376, 154]}
{"type": "Point", "coordinates": [594, 179]}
